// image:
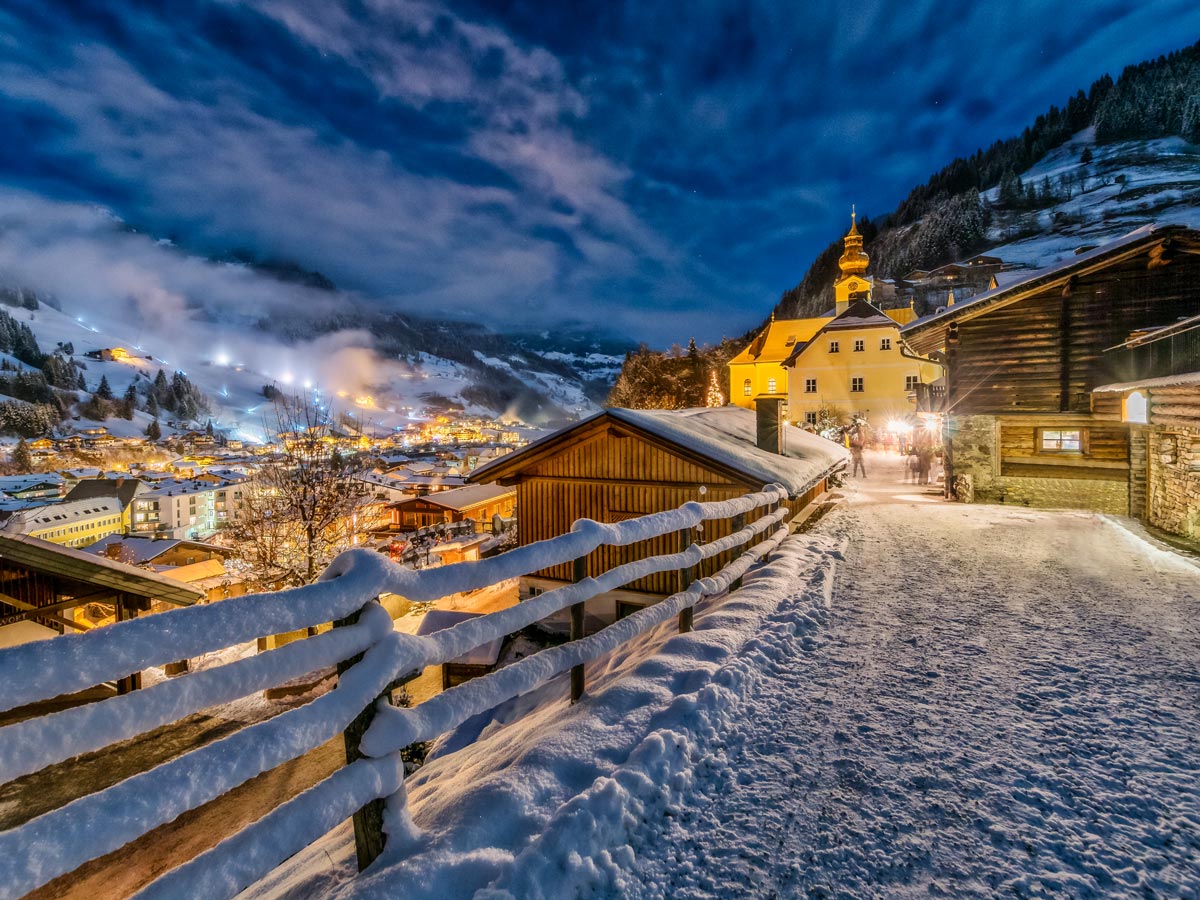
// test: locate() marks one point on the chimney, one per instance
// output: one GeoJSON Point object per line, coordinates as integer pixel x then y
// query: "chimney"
{"type": "Point", "coordinates": [770, 432]}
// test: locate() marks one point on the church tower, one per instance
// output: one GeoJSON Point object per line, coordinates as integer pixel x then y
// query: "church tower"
{"type": "Point", "coordinates": [854, 283]}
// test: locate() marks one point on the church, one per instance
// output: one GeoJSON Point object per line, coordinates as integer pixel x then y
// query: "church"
{"type": "Point", "coordinates": [848, 359]}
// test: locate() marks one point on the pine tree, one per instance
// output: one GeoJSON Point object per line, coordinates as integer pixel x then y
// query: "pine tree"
{"type": "Point", "coordinates": [714, 396]}
{"type": "Point", "coordinates": [128, 402]}
{"type": "Point", "coordinates": [1086, 156]}
{"type": "Point", "coordinates": [103, 391]}
{"type": "Point", "coordinates": [208, 429]}
{"type": "Point", "coordinates": [22, 459]}
{"type": "Point", "coordinates": [153, 431]}
{"type": "Point", "coordinates": [152, 404]}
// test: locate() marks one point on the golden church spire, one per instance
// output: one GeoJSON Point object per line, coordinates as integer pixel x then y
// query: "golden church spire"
{"type": "Point", "coordinates": [853, 261]}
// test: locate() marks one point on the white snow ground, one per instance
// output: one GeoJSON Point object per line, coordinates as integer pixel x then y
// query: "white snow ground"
{"type": "Point", "coordinates": [1001, 702]}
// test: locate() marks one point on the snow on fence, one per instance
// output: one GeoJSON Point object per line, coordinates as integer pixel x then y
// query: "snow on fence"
{"type": "Point", "coordinates": [372, 659]}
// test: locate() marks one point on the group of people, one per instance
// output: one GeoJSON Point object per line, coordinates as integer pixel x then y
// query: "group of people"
{"type": "Point", "coordinates": [920, 452]}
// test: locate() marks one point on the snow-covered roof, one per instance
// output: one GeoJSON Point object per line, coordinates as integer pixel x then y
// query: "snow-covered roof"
{"type": "Point", "coordinates": [62, 514]}
{"type": "Point", "coordinates": [440, 619]}
{"type": "Point", "coordinates": [726, 436]}
{"type": "Point", "coordinates": [12, 484]}
{"type": "Point", "coordinates": [928, 332]}
{"type": "Point", "coordinates": [1184, 380]}
{"type": "Point", "coordinates": [465, 497]}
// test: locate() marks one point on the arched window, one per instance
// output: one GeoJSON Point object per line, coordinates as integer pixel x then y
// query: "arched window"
{"type": "Point", "coordinates": [1136, 408]}
{"type": "Point", "coordinates": [746, 387]}
{"type": "Point", "coordinates": [770, 385]}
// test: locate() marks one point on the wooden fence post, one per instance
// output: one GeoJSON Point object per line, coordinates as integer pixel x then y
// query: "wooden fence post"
{"type": "Point", "coordinates": [686, 576]}
{"type": "Point", "coordinates": [578, 573]}
{"type": "Point", "coordinates": [369, 837]}
{"type": "Point", "coordinates": [739, 522]}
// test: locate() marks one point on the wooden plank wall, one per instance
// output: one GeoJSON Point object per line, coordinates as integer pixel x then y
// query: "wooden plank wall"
{"type": "Point", "coordinates": [1107, 456]}
{"type": "Point", "coordinates": [1046, 353]}
{"type": "Point", "coordinates": [610, 478]}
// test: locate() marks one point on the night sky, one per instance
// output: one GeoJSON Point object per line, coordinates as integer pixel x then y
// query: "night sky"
{"type": "Point", "coordinates": [660, 170]}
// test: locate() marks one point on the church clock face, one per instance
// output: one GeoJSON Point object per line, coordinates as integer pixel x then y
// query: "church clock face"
{"type": "Point", "coordinates": [854, 285]}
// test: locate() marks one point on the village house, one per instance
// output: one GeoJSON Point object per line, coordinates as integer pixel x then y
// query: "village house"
{"type": "Point", "coordinates": [74, 523]}
{"type": "Point", "coordinates": [51, 590]}
{"type": "Point", "coordinates": [120, 489]}
{"type": "Point", "coordinates": [849, 358]}
{"type": "Point", "coordinates": [623, 463]}
{"type": "Point", "coordinates": [48, 487]}
{"type": "Point", "coordinates": [189, 508]}
{"type": "Point", "coordinates": [1041, 374]}
{"type": "Point", "coordinates": [197, 564]}
{"type": "Point", "coordinates": [478, 502]}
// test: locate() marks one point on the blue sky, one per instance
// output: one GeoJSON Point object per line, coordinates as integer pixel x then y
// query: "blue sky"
{"type": "Point", "coordinates": [661, 170]}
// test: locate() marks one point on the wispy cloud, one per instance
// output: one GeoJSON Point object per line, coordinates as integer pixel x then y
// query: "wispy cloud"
{"type": "Point", "coordinates": [622, 165]}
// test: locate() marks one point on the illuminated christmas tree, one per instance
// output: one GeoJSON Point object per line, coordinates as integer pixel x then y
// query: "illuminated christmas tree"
{"type": "Point", "coordinates": [714, 396]}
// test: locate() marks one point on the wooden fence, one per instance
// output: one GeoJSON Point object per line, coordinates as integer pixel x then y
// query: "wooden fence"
{"type": "Point", "coordinates": [371, 660]}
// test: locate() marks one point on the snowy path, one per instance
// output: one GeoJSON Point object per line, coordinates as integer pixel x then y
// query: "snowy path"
{"type": "Point", "coordinates": [1006, 703]}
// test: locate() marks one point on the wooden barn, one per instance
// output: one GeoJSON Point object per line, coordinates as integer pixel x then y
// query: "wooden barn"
{"type": "Point", "coordinates": [621, 463]}
{"type": "Point", "coordinates": [1024, 423]}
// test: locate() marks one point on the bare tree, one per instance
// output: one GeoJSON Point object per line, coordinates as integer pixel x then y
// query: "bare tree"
{"type": "Point", "coordinates": [301, 509]}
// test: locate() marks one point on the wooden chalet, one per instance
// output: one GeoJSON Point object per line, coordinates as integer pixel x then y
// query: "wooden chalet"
{"type": "Point", "coordinates": [479, 502]}
{"type": "Point", "coordinates": [67, 590]}
{"type": "Point", "coordinates": [622, 463]}
{"type": "Point", "coordinates": [1024, 422]}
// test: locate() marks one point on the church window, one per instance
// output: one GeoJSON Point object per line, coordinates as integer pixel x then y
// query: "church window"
{"type": "Point", "coordinates": [860, 346]}
{"type": "Point", "coordinates": [885, 344]}
{"type": "Point", "coordinates": [833, 346]}
{"type": "Point", "coordinates": [770, 385]}
{"type": "Point", "coordinates": [856, 385]}
{"type": "Point", "coordinates": [746, 387]}
{"type": "Point", "coordinates": [911, 382]}
{"type": "Point", "coordinates": [810, 385]}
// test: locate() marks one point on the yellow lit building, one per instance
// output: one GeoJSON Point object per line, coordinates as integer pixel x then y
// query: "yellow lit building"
{"type": "Point", "coordinates": [72, 523]}
{"type": "Point", "coordinates": [850, 360]}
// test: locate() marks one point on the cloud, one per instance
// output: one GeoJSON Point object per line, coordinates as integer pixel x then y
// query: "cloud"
{"type": "Point", "coordinates": [621, 165]}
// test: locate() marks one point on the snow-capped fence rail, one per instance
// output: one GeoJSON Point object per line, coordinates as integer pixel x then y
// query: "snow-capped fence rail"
{"type": "Point", "coordinates": [371, 658]}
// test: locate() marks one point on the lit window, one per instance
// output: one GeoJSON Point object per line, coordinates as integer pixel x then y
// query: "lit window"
{"type": "Point", "coordinates": [810, 418]}
{"type": "Point", "coordinates": [810, 385]}
{"type": "Point", "coordinates": [856, 385]}
{"type": "Point", "coordinates": [770, 385]}
{"type": "Point", "coordinates": [1137, 408]}
{"type": "Point", "coordinates": [860, 346]}
{"type": "Point", "coordinates": [885, 343]}
{"type": "Point", "coordinates": [1055, 441]}
{"type": "Point", "coordinates": [833, 347]}
{"type": "Point", "coordinates": [746, 387]}
{"type": "Point", "coordinates": [911, 382]}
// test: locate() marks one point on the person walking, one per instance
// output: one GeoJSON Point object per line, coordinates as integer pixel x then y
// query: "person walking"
{"type": "Point", "coordinates": [857, 441]}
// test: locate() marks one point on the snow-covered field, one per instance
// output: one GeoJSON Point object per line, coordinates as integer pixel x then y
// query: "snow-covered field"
{"type": "Point", "coordinates": [998, 702]}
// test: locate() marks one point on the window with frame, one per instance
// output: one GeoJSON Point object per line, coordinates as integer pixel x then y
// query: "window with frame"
{"type": "Point", "coordinates": [911, 382]}
{"type": "Point", "coordinates": [746, 388]}
{"type": "Point", "coordinates": [1058, 440]}
{"type": "Point", "coordinates": [810, 385]}
{"type": "Point", "coordinates": [856, 385]}
{"type": "Point", "coordinates": [770, 385]}
{"type": "Point", "coordinates": [833, 347]}
{"type": "Point", "coordinates": [810, 418]}
{"type": "Point", "coordinates": [860, 346]}
{"type": "Point", "coordinates": [885, 343]}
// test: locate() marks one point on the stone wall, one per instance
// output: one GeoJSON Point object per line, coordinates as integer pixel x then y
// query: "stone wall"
{"type": "Point", "coordinates": [975, 448]}
{"type": "Point", "coordinates": [1174, 480]}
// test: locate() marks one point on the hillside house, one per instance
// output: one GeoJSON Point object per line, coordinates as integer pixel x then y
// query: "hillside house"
{"type": "Point", "coordinates": [1037, 372]}
{"type": "Point", "coordinates": [74, 523]}
{"type": "Point", "coordinates": [478, 502]}
{"type": "Point", "coordinates": [66, 590]}
{"type": "Point", "coordinates": [623, 463]}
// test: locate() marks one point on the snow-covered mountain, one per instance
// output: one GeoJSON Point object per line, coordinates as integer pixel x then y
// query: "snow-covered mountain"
{"type": "Point", "coordinates": [234, 328]}
{"type": "Point", "coordinates": [1121, 187]}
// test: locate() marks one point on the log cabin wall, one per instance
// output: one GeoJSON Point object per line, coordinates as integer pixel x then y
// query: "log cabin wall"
{"type": "Point", "coordinates": [610, 475]}
{"type": "Point", "coordinates": [1045, 353]}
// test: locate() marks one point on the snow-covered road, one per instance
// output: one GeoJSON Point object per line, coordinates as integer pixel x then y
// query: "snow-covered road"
{"type": "Point", "coordinates": [1006, 703]}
